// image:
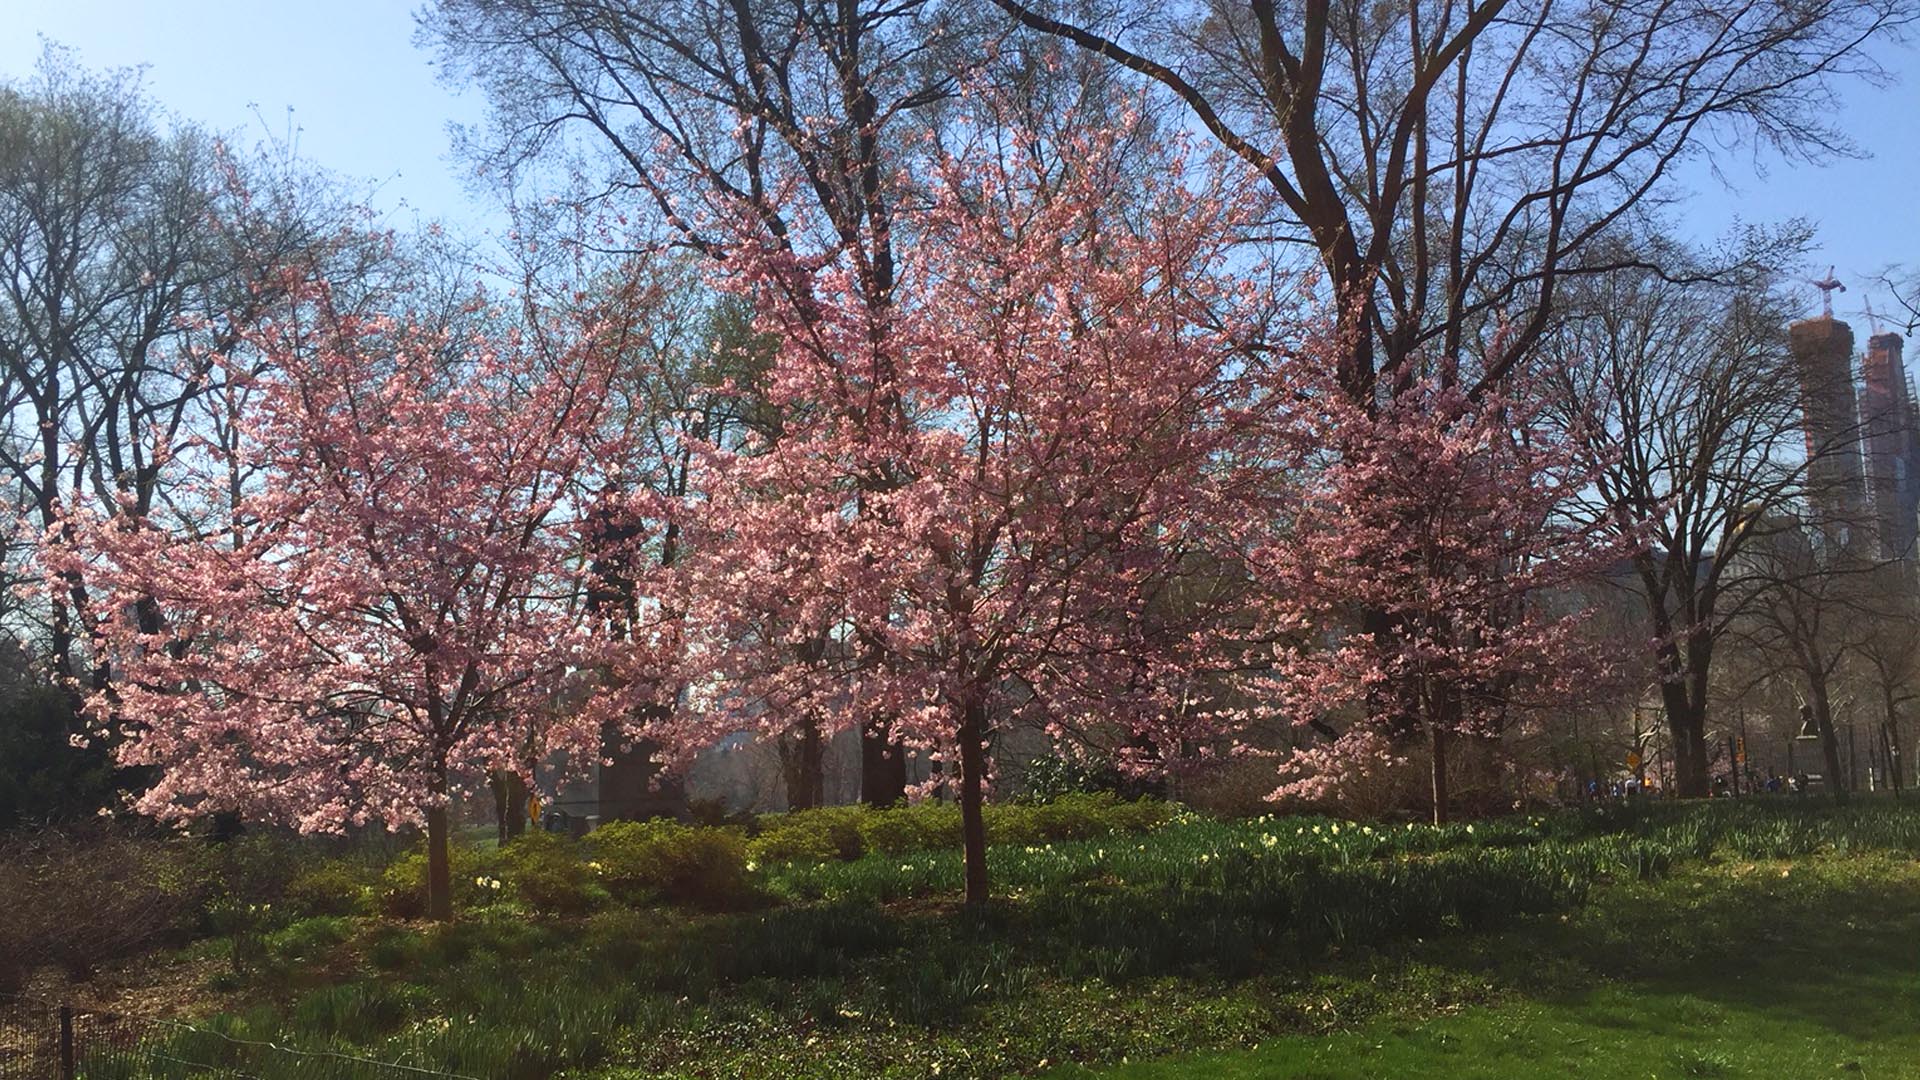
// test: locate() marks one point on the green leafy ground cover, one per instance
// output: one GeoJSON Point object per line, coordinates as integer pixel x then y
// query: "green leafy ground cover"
{"type": "Point", "coordinates": [1803, 969]}
{"type": "Point", "coordinates": [1753, 938]}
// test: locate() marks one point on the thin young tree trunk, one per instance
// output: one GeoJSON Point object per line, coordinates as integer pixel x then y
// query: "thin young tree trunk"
{"type": "Point", "coordinates": [973, 829]}
{"type": "Point", "coordinates": [1890, 736]}
{"type": "Point", "coordinates": [439, 866]}
{"type": "Point", "coordinates": [1437, 732]}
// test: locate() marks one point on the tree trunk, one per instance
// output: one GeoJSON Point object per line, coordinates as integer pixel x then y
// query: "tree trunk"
{"type": "Point", "coordinates": [1891, 737]}
{"type": "Point", "coordinates": [1829, 739]}
{"type": "Point", "coordinates": [973, 828]}
{"type": "Point", "coordinates": [1687, 725]}
{"type": "Point", "coordinates": [509, 804]}
{"type": "Point", "coordinates": [1437, 732]}
{"type": "Point", "coordinates": [803, 762]}
{"type": "Point", "coordinates": [883, 766]}
{"type": "Point", "coordinates": [633, 787]}
{"type": "Point", "coordinates": [439, 867]}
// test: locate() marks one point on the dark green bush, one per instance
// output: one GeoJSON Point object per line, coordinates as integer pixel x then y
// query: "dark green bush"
{"type": "Point", "coordinates": [702, 866]}
{"type": "Point", "coordinates": [848, 832]}
{"type": "Point", "coordinates": [831, 832]}
{"type": "Point", "coordinates": [545, 872]}
{"type": "Point", "coordinates": [308, 940]}
{"type": "Point", "coordinates": [44, 778]}
{"type": "Point", "coordinates": [332, 887]}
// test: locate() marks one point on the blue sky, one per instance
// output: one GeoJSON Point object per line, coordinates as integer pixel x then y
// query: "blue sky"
{"type": "Point", "coordinates": [368, 104]}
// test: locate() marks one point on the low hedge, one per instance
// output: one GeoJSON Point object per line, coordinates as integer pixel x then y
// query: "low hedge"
{"type": "Point", "coordinates": [547, 874]}
{"type": "Point", "coordinates": [848, 832]}
{"type": "Point", "coordinates": [701, 865]}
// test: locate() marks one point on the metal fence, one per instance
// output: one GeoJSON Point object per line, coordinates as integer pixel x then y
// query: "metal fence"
{"type": "Point", "coordinates": [44, 1040]}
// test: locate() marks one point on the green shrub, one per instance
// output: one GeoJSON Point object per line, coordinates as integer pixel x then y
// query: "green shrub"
{"type": "Point", "coordinates": [848, 832]}
{"type": "Point", "coordinates": [1086, 816]}
{"type": "Point", "coordinates": [402, 891]}
{"type": "Point", "coordinates": [308, 940]}
{"type": "Point", "coordinates": [1011, 823]}
{"type": "Point", "coordinates": [702, 866]}
{"type": "Point", "coordinates": [333, 887]}
{"type": "Point", "coordinates": [393, 948]}
{"type": "Point", "coordinates": [403, 887]}
{"type": "Point", "coordinates": [832, 832]}
{"type": "Point", "coordinates": [921, 827]}
{"type": "Point", "coordinates": [545, 872]}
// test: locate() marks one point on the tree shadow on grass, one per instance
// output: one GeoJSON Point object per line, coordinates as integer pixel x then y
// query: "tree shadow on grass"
{"type": "Point", "coordinates": [1830, 942]}
{"type": "Point", "coordinates": [1095, 970]}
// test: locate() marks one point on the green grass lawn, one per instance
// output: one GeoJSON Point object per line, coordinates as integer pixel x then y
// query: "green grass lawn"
{"type": "Point", "coordinates": [1762, 939]}
{"type": "Point", "coordinates": [1725, 971]}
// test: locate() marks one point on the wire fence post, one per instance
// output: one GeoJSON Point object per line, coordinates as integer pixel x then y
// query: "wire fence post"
{"type": "Point", "coordinates": [66, 1042]}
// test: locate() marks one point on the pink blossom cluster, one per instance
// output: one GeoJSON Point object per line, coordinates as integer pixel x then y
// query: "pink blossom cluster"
{"type": "Point", "coordinates": [378, 589]}
{"type": "Point", "coordinates": [1426, 582]}
{"type": "Point", "coordinates": [1078, 468]}
{"type": "Point", "coordinates": [1007, 491]}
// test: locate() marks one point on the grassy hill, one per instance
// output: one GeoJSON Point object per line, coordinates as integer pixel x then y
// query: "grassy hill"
{"type": "Point", "coordinates": [1752, 938]}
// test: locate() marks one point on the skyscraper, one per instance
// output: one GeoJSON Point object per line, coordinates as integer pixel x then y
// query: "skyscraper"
{"type": "Point", "coordinates": [1823, 352]}
{"type": "Point", "coordinates": [1886, 417]}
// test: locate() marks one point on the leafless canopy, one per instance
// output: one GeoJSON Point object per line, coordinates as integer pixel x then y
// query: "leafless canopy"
{"type": "Point", "coordinates": [1451, 163]}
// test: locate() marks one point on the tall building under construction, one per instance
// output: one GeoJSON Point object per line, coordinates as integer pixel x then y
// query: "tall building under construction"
{"type": "Point", "coordinates": [1863, 449]}
{"type": "Point", "coordinates": [1890, 427]}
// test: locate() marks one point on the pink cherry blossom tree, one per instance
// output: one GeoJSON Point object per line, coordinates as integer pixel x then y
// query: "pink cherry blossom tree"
{"type": "Point", "coordinates": [376, 595]}
{"type": "Point", "coordinates": [1453, 515]}
{"type": "Point", "coordinates": [997, 498]}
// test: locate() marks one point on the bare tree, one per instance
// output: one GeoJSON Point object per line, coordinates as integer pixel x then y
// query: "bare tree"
{"type": "Point", "coordinates": [692, 377]}
{"type": "Point", "coordinates": [1687, 402]}
{"type": "Point", "coordinates": [1817, 596]}
{"type": "Point", "coordinates": [1888, 655]}
{"type": "Point", "coordinates": [1901, 286]}
{"type": "Point", "coordinates": [132, 248]}
{"type": "Point", "coordinates": [1452, 164]}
